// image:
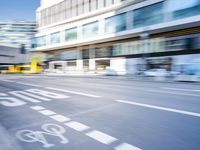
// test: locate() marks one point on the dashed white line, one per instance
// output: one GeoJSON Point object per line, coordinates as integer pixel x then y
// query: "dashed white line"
{"type": "Point", "coordinates": [161, 108]}
{"type": "Point", "coordinates": [77, 126]}
{"type": "Point", "coordinates": [8, 80]}
{"type": "Point", "coordinates": [47, 112]}
{"type": "Point", "coordinates": [60, 118]}
{"type": "Point", "coordinates": [175, 93]}
{"type": "Point", "coordinates": [37, 108]}
{"type": "Point", "coordinates": [23, 83]}
{"type": "Point", "coordinates": [125, 146]}
{"type": "Point", "coordinates": [73, 92]}
{"type": "Point", "coordinates": [96, 135]}
{"type": "Point", "coordinates": [101, 137]}
{"type": "Point", "coordinates": [180, 89]}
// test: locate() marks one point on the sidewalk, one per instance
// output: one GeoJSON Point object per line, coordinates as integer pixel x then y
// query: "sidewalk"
{"type": "Point", "coordinates": [125, 77]}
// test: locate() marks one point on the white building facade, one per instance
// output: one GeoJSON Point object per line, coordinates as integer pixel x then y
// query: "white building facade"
{"type": "Point", "coordinates": [122, 36]}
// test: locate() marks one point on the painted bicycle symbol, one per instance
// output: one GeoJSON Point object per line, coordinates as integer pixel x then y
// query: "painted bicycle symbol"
{"type": "Point", "coordinates": [39, 136]}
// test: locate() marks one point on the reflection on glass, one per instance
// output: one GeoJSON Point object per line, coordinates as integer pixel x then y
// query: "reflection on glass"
{"type": "Point", "coordinates": [55, 38]}
{"type": "Point", "coordinates": [116, 23]}
{"type": "Point", "coordinates": [41, 41]}
{"type": "Point", "coordinates": [71, 34]}
{"type": "Point", "coordinates": [148, 15]}
{"type": "Point", "coordinates": [90, 30]}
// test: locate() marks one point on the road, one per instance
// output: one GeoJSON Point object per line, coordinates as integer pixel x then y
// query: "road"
{"type": "Point", "coordinates": [97, 113]}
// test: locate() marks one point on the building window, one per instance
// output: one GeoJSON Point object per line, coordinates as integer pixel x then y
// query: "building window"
{"type": "Point", "coordinates": [187, 8]}
{"type": "Point", "coordinates": [41, 41]}
{"type": "Point", "coordinates": [85, 54]}
{"type": "Point", "coordinates": [115, 24]}
{"type": "Point", "coordinates": [148, 15]}
{"type": "Point", "coordinates": [90, 30]}
{"type": "Point", "coordinates": [55, 38]}
{"type": "Point", "coordinates": [71, 34]}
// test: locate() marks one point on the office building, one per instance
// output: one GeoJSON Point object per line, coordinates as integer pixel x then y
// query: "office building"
{"type": "Point", "coordinates": [122, 36]}
{"type": "Point", "coordinates": [17, 33]}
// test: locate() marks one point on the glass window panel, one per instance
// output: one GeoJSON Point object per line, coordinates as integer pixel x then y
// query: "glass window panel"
{"type": "Point", "coordinates": [71, 34]}
{"type": "Point", "coordinates": [55, 38]}
{"type": "Point", "coordinates": [41, 41]}
{"type": "Point", "coordinates": [116, 23]}
{"type": "Point", "coordinates": [90, 30]}
{"type": "Point", "coordinates": [148, 15]}
{"type": "Point", "coordinates": [187, 8]}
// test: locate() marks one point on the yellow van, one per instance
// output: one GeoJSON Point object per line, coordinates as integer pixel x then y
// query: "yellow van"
{"type": "Point", "coordinates": [32, 68]}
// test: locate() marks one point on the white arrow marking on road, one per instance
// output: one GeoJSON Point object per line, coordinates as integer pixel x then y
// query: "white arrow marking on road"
{"type": "Point", "coordinates": [161, 108]}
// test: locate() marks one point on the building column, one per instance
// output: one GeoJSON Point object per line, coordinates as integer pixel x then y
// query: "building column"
{"type": "Point", "coordinates": [51, 67]}
{"type": "Point", "coordinates": [62, 36]}
{"type": "Point", "coordinates": [92, 63]}
{"type": "Point", "coordinates": [101, 26]}
{"type": "Point", "coordinates": [64, 66]}
{"type": "Point", "coordinates": [79, 61]}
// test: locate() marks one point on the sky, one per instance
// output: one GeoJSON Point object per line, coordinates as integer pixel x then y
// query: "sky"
{"type": "Point", "coordinates": [18, 10]}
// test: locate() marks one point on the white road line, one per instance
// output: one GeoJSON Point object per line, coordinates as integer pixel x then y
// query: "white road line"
{"type": "Point", "coordinates": [176, 93]}
{"type": "Point", "coordinates": [8, 80]}
{"type": "Point", "coordinates": [77, 126]}
{"type": "Point", "coordinates": [74, 92]}
{"type": "Point", "coordinates": [101, 137]}
{"type": "Point", "coordinates": [37, 108]}
{"type": "Point", "coordinates": [3, 94]}
{"type": "Point", "coordinates": [60, 118]}
{"type": "Point", "coordinates": [47, 112]}
{"type": "Point", "coordinates": [28, 84]}
{"type": "Point", "coordinates": [180, 89]}
{"type": "Point", "coordinates": [161, 108]}
{"type": "Point", "coordinates": [125, 146]}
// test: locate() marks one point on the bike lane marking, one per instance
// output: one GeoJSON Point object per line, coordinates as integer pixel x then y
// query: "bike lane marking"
{"type": "Point", "coordinates": [77, 126]}
{"type": "Point", "coordinates": [93, 134]}
{"type": "Point", "coordinates": [125, 146]}
{"type": "Point", "coordinates": [40, 136]}
{"type": "Point", "coordinates": [101, 137]}
{"type": "Point", "coordinates": [60, 118]}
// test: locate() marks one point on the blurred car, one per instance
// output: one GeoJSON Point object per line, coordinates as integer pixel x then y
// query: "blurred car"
{"type": "Point", "coordinates": [156, 73]}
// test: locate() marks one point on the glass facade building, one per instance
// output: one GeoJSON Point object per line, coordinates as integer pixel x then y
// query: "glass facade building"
{"type": "Point", "coordinates": [17, 33]}
{"type": "Point", "coordinates": [105, 32]}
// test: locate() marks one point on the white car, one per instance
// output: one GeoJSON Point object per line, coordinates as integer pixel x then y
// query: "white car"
{"type": "Point", "coordinates": [156, 73]}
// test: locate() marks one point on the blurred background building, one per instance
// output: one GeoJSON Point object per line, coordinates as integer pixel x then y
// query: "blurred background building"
{"type": "Point", "coordinates": [17, 33]}
{"type": "Point", "coordinates": [15, 41]}
{"type": "Point", "coordinates": [120, 36]}
{"type": "Point", "coordinates": [10, 55]}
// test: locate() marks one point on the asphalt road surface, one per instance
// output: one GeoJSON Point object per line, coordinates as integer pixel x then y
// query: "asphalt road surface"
{"type": "Point", "coordinates": [97, 113]}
